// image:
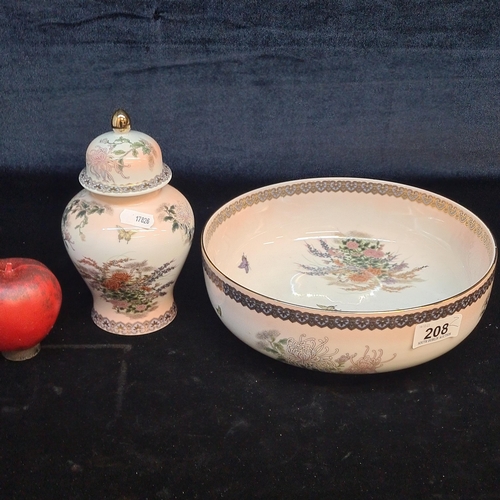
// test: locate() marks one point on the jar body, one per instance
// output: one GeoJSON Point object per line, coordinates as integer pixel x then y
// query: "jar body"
{"type": "Point", "coordinates": [130, 252]}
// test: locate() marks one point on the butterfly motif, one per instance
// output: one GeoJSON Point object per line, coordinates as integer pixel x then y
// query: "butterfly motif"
{"type": "Point", "coordinates": [123, 234]}
{"type": "Point", "coordinates": [244, 264]}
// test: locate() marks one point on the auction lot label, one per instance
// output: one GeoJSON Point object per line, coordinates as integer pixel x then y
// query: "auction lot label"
{"type": "Point", "coordinates": [435, 331]}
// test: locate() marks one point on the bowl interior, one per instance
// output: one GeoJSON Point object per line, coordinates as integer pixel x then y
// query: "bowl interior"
{"type": "Point", "coordinates": [356, 245]}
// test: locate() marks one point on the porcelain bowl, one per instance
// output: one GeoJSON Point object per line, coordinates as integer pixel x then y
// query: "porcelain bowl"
{"type": "Point", "coordinates": [348, 275]}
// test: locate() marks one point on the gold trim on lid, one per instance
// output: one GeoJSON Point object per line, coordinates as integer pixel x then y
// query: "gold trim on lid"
{"type": "Point", "coordinates": [120, 121]}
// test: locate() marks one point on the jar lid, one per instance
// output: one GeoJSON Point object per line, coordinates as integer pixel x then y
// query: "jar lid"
{"type": "Point", "coordinates": [124, 162]}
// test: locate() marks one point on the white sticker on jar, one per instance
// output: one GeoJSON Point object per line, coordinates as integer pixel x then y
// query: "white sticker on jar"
{"type": "Point", "coordinates": [135, 218]}
{"type": "Point", "coordinates": [435, 331]}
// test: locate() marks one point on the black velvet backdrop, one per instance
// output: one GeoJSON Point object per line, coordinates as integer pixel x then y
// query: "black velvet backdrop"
{"type": "Point", "coordinates": [239, 94]}
{"type": "Point", "coordinates": [281, 88]}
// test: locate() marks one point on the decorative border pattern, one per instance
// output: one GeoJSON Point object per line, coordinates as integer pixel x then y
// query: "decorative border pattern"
{"type": "Point", "coordinates": [137, 328]}
{"type": "Point", "coordinates": [156, 182]}
{"type": "Point", "coordinates": [346, 322]}
{"type": "Point", "coordinates": [352, 186]}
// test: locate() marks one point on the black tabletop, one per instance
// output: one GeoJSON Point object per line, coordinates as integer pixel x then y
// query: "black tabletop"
{"type": "Point", "coordinates": [192, 412]}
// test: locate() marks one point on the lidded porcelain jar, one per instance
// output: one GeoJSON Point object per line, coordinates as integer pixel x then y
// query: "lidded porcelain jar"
{"type": "Point", "coordinates": [128, 232]}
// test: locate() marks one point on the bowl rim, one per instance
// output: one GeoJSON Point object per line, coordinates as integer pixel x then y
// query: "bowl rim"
{"type": "Point", "coordinates": [356, 188]}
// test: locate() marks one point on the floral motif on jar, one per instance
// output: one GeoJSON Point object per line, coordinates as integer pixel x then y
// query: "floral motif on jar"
{"type": "Point", "coordinates": [81, 209]}
{"type": "Point", "coordinates": [103, 160]}
{"type": "Point", "coordinates": [180, 215]}
{"type": "Point", "coordinates": [131, 287]}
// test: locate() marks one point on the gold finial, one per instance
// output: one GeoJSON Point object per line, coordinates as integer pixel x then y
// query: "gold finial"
{"type": "Point", "coordinates": [120, 121]}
